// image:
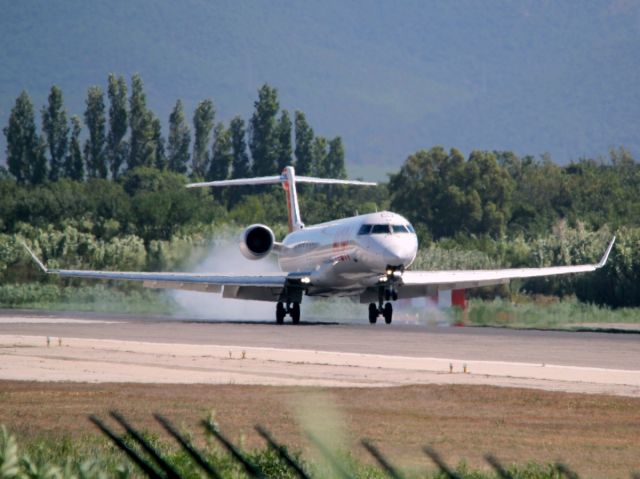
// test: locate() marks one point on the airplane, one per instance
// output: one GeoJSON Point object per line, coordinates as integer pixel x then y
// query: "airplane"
{"type": "Point", "coordinates": [366, 256]}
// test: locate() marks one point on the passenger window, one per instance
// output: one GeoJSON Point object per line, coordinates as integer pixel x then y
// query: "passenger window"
{"type": "Point", "coordinates": [364, 230]}
{"type": "Point", "coordinates": [380, 229]}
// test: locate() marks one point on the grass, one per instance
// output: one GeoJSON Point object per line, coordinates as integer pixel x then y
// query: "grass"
{"type": "Point", "coordinates": [97, 297]}
{"type": "Point", "coordinates": [546, 312]}
{"type": "Point", "coordinates": [526, 429]}
{"type": "Point", "coordinates": [524, 311]}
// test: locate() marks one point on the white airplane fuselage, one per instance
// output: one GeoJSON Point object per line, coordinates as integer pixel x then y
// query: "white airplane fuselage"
{"type": "Point", "coordinates": [350, 253]}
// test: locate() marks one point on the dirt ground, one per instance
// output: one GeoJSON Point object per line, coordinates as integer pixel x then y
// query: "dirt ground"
{"type": "Point", "coordinates": [597, 435]}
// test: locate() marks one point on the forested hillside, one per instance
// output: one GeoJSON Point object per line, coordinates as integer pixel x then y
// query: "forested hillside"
{"type": "Point", "coordinates": [529, 77]}
{"type": "Point", "coordinates": [117, 200]}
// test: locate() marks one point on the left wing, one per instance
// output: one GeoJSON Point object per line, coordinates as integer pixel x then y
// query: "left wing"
{"type": "Point", "coordinates": [421, 283]}
{"type": "Point", "coordinates": [264, 287]}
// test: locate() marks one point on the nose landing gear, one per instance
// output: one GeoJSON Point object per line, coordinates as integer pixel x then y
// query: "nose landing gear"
{"type": "Point", "coordinates": [292, 309]}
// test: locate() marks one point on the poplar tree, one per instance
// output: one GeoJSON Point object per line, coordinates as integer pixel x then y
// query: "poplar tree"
{"type": "Point", "coordinates": [55, 128]}
{"type": "Point", "coordinates": [94, 147]}
{"type": "Point", "coordinates": [284, 147]}
{"type": "Point", "coordinates": [304, 143]}
{"type": "Point", "coordinates": [179, 140]}
{"type": "Point", "coordinates": [240, 164]}
{"type": "Point", "coordinates": [116, 144]}
{"type": "Point", "coordinates": [141, 142]}
{"type": "Point", "coordinates": [319, 154]}
{"type": "Point", "coordinates": [74, 163]}
{"type": "Point", "coordinates": [221, 155]}
{"type": "Point", "coordinates": [22, 139]}
{"type": "Point", "coordinates": [335, 159]}
{"type": "Point", "coordinates": [160, 157]}
{"type": "Point", "coordinates": [203, 119]}
{"type": "Point", "coordinates": [39, 166]}
{"type": "Point", "coordinates": [263, 139]}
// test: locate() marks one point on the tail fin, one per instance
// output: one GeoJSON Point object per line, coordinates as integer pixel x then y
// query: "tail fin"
{"type": "Point", "coordinates": [288, 179]}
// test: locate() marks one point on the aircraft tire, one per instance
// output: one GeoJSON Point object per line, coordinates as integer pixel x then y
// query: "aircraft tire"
{"type": "Point", "coordinates": [387, 312]}
{"type": "Point", "coordinates": [280, 313]}
{"type": "Point", "coordinates": [295, 313]}
{"type": "Point", "coordinates": [373, 313]}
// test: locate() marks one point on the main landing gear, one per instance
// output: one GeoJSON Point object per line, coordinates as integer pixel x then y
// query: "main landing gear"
{"type": "Point", "coordinates": [386, 312]}
{"type": "Point", "coordinates": [292, 309]}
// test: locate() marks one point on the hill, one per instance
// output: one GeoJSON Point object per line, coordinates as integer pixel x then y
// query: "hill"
{"type": "Point", "coordinates": [533, 77]}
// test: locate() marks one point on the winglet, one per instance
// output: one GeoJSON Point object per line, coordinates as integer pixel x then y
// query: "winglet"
{"type": "Point", "coordinates": [35, 258]}
{"type": "Point", "coordinates": [606, 253]}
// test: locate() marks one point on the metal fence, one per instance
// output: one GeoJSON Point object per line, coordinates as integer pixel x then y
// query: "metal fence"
{"type": "Point", "coordinates": [154, 465]}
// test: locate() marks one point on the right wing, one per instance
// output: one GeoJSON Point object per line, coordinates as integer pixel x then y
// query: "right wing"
{"type": "Point", "coordinates": [425, 283]}
{"type": "Point", "coordinates": [263, 287]}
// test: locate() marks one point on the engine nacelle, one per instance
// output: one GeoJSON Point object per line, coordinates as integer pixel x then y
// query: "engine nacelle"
{"type": "Point", "coordinates": [257, 241]}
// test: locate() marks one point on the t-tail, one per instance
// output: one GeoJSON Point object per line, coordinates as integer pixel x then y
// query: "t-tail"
{"type": "Point", "coordinates": [288, 179]}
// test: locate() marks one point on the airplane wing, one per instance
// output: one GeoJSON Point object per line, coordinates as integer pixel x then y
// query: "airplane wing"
{"type": "Point", "coordinates": [263, 287]}
{"type": "Point", "coordinates": [421, 283]}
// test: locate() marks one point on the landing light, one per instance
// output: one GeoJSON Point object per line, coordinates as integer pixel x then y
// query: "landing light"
{"type": "Point", "coordinates": [305, 280]}
{"type": "Point", "coordinates": [383, 279]}
{"type": "Point", "coordinates": [389, 272]}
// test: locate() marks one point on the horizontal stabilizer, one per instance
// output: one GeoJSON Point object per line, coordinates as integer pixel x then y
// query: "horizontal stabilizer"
{"type": "Point", "coordinates": [268, 180]}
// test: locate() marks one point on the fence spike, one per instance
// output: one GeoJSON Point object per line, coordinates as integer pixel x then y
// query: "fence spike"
{"type": "Point", "coordinates": [187, 446]}
{"type": "Point", "coordinates": [148, 469]}
{"type": "Point", "coordinates": [149, 449]}
{"type": "Point", "coordinates": [282, 452]}
{"type": "Point", "coordinates": [500, 470]}
{"type": "Point", "coordinates": [382, 461]}
{"type": "Point", "coordinates": [251, 469]}
{"type": "Point", "coordinates": [435, 457]}
{"type": "Point", "coordinates": [565, 471]}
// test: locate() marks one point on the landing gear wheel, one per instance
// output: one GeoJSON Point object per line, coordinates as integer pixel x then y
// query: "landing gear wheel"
{"type": "Point", "coordinates": [280, 313]}
{"type": "Point", "coordinates": [294, 312]}
{"type": "Point", "coordinates": [373, 313]}
{"type": "Point", "coordinates": [387, 312]}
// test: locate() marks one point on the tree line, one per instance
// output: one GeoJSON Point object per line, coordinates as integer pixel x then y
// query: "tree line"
{"type": "Point", "coordinates": [119, 133]}
{"type": "Point", "coordinates": [499, 194]}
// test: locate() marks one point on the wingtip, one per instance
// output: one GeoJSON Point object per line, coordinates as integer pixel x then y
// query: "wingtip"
{"type": "Point", "coordinates": [605, 256]}
{"type": "Point", "coordinates": [35, 258]}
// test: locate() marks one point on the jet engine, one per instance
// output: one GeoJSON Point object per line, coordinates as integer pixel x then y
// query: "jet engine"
{"type": "Point", "coordinates": [256, 241]}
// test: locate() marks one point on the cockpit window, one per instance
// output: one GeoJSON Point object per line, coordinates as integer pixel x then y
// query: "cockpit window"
{"type": "Point", "coordinates": [364, 230]}
{"type": "Point", "coordinates": [410, 228]}
{"type": "Point", "coordinates": [399, 229]}
{"type": "Point", "coordinates": [380, 229]}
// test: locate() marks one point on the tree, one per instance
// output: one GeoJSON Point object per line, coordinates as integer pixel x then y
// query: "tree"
{"type": "Point", "coordinates": [319, 155]}
{"type": "Point", "coordinates": [116, 145]}
{"type": "Point", "coordinates": [284, 148]}
{"type": "Point", "coordinates": [22, 139]}
{"type": "Point", "coordinates": [160, 158]}
{"type": "Point", "coordinates": [335, 159]}
{"type": "Point", "coordinates": [203, 119]}
{"type": "Point", "coordinates": [94, 147]}
{"type": "Point", "coordinates": [240, 165]}
{"type": "Point", "coordinates": [222, 155]}
{"type": "Point", "coordinates": [304, 143]}
{"type": "Point", "coordinates": [56, 130]}
{"type": "Point", "coordinates": [74, 163]}
{"type": "Point", "coordinates": [263, 141]}
{"type": "Point", "coordinates": [179, 140]}
{"type": "Point", "coordinates": [39, 167]}
{"type": "Point", "coordinates": [141, 141]}
{"type": "Point", "coordinates": [448, 195]}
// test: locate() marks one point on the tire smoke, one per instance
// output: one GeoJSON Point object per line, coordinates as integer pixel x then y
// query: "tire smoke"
{"type": "Point", "coordinates": [224, 257]}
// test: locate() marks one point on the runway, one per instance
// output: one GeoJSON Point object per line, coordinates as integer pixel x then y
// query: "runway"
{"type": "Point", "coordinates": [109, 348]}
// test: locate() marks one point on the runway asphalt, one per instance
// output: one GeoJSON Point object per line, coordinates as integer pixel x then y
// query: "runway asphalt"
{"type": "Point", "coordinates": [618, 351]}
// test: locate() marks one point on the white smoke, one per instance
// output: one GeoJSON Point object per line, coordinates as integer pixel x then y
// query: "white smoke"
{"type": "Point", "coordinates": [225, 258]}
